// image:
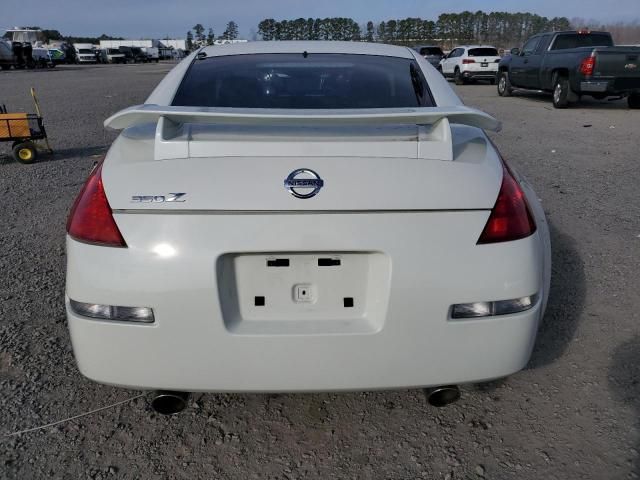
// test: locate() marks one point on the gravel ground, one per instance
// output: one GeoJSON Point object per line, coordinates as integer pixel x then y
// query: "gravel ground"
{"type": "Point", "coordinates": [573, 413]}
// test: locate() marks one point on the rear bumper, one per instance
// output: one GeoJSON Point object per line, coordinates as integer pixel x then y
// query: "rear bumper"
{"type": "Point", "coordinates": [611, 86]}
{"type": "Point", "coordinates": [481, 75]}
{"type": "Point", "coordinates": [192, 347]}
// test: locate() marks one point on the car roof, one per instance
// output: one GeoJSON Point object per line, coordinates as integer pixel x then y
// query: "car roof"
{"type": "Point", "coordinates": [475, 46]}
{"type": "Point", "coordinates": [358, 48]}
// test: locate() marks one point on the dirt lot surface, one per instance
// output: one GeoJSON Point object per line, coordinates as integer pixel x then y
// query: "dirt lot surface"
{"type": "Point", "coordinates": [572, 414]}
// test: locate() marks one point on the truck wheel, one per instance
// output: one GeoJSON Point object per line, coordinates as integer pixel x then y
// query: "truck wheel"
{"type": "Point", "coordinates": [634, 101]}
{"type": "Point", "coordinates": [25, 152]}
{"type": "Point", "coordinates": [457, 77]}
{"type": "Point", "coordinates": [561, 92]}
{"type": "Point", "coordinates": [504, 85]}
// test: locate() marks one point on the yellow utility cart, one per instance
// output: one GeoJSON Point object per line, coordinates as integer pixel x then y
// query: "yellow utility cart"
{"type": "Point", "coordinates": [24, 130]}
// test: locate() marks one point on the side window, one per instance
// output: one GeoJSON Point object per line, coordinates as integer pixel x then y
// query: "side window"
{"type": "Point", "coordinates": [530, 47]}
{"type": "Point", "coordinates": [458, 52]}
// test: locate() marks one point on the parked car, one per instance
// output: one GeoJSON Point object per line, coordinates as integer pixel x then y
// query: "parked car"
{"type": "Point", "coordinates": [7, 58]}
{"type": "Point", "coordinates": [364, 291]}
{"type": "Point", "coordinates": [471, 62]}
{"type": "Point", "coordinates": [134, 55]}
{"type": "Point", "coordinates": [57, 56]}
{"type": "Point", "coordinates": [572, 64]}
{"type": "Point", "coordinates": [431, 53]}
{"type": "Point", "coordinates": [112, 55]}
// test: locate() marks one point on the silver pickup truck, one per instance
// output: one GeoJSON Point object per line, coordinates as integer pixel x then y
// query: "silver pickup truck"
{"type": "Point", "coordinates": [572, 64]}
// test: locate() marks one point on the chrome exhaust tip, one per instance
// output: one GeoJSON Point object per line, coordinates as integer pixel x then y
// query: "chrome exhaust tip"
{"type": "Point", "coordinates": [168, 402]}
{"type": "Point", "coordinates": [442, 396]}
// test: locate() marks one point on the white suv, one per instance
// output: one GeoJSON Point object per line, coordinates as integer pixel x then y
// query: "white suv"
{"type": "Point", "coordinates": [471, 62]}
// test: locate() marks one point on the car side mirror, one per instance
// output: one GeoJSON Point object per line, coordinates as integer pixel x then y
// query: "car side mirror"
{"type": "Point", "coordinates": [515, 51]}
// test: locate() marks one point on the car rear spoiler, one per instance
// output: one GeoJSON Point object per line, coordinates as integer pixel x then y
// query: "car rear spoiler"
{"type": "Point", "coordinates": [148, 113]}
{"type": "Point", "coordinates": [434, 139]}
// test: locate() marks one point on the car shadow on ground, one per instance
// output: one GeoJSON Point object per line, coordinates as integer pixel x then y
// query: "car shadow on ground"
{"type": "Point", "coordinates": [75, 152]}
{"type": "Point", "coordinates": [95, 152]}
{"type": "Point", "coordinates": [586, 102]}
{"type": "Point", "coordinates": [624, 382]}
{"type": "Point", "coordinates": [566, 300]}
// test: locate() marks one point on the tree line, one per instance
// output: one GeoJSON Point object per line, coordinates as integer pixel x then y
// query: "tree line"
{"type": "Point", "coordinates": [196, 37]}
{"type": "Point", "coordinates": [499, 28]}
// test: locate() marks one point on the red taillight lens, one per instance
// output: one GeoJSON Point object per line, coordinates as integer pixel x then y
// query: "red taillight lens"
{"type": "Point", "coordinates": [510, 218]}
{"type": "Point", "coordinates": [588, 65]}
{"type": "Point", "coordinates": [91, 219]}
{"type": "Point", "coordinates": [466, 61]}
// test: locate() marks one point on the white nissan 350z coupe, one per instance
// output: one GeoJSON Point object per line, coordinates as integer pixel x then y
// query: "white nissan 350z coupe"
{"type": "Point", "coordinates": [304, 216]}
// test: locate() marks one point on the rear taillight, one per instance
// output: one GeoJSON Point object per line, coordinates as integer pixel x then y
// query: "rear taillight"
{"type": "Point", "coordinates": [588, 65]}
{"type": "Point", "coordinates": [91, 219]}
{"type": "Point", "coordinates": [510, 218]}
{"type": "Point", "coordinates": [466, 61]}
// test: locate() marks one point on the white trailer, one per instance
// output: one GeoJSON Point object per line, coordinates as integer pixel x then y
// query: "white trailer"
{"type": "Point", "coordinates": [153, 53]}
{"type": "Point", "coordinates": [129, 43]}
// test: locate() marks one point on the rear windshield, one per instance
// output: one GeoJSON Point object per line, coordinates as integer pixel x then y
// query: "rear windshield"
{"type": "Point", "coordinates": [430, 51]}
{"type": "Point", "coordinates": [306, 81]}
{"type": "Point", "coordinates": [575, 40]}
{"type": "Point", "coordinates": [483, 52]}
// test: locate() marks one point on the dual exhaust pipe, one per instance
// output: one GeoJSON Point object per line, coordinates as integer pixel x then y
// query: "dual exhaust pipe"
{"type": "Point", "coordinates": [166, 402]}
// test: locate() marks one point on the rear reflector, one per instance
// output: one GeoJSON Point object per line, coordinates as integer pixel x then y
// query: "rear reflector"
{"type": "Point", "coordinates": [489, 309]}
{"type": "Point", "coordinates": [111, 312]}
{"type": "Point", "coordinates": [91, 219]}
{"type": "Point", "coordinates": [466, 61]}
{"type": "Point", "coordinates": [510, 218]}
{"type": "Point", "coordinates": [588, 65]}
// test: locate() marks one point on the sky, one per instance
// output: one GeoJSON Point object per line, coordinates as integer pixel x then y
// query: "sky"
{"type": "Point", "coordinates": [162, 18]}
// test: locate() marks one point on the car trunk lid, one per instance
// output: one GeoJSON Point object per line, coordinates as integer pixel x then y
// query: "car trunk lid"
{"type": "Point", "coordinates": [251, 165]}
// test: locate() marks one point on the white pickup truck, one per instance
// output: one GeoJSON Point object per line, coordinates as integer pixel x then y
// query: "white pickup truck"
{"type": "Point", "coordinates": [85, 53]}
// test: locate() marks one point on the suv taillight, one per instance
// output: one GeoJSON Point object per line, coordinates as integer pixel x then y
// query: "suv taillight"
{"type": "Point", "coordinates": [510, 218]}
{"type": "Point", "coordinates": [91, 219]}
{"type": "Point", "coordinates": [588, 65]}
{"type": "Point", "coordinates": [466, 61]}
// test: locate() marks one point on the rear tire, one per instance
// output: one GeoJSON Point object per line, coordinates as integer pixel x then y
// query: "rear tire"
{"type": "Point", "coordinates": [634, 101]}
{"type": "Point", "coordinates": [457, 77]}
{"type": "Point", "coordinates": [504, 85]}
{"type": "Point", "coordinates": [561, 92]}
{"type": "Point", "coordinates": [25, 152]}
